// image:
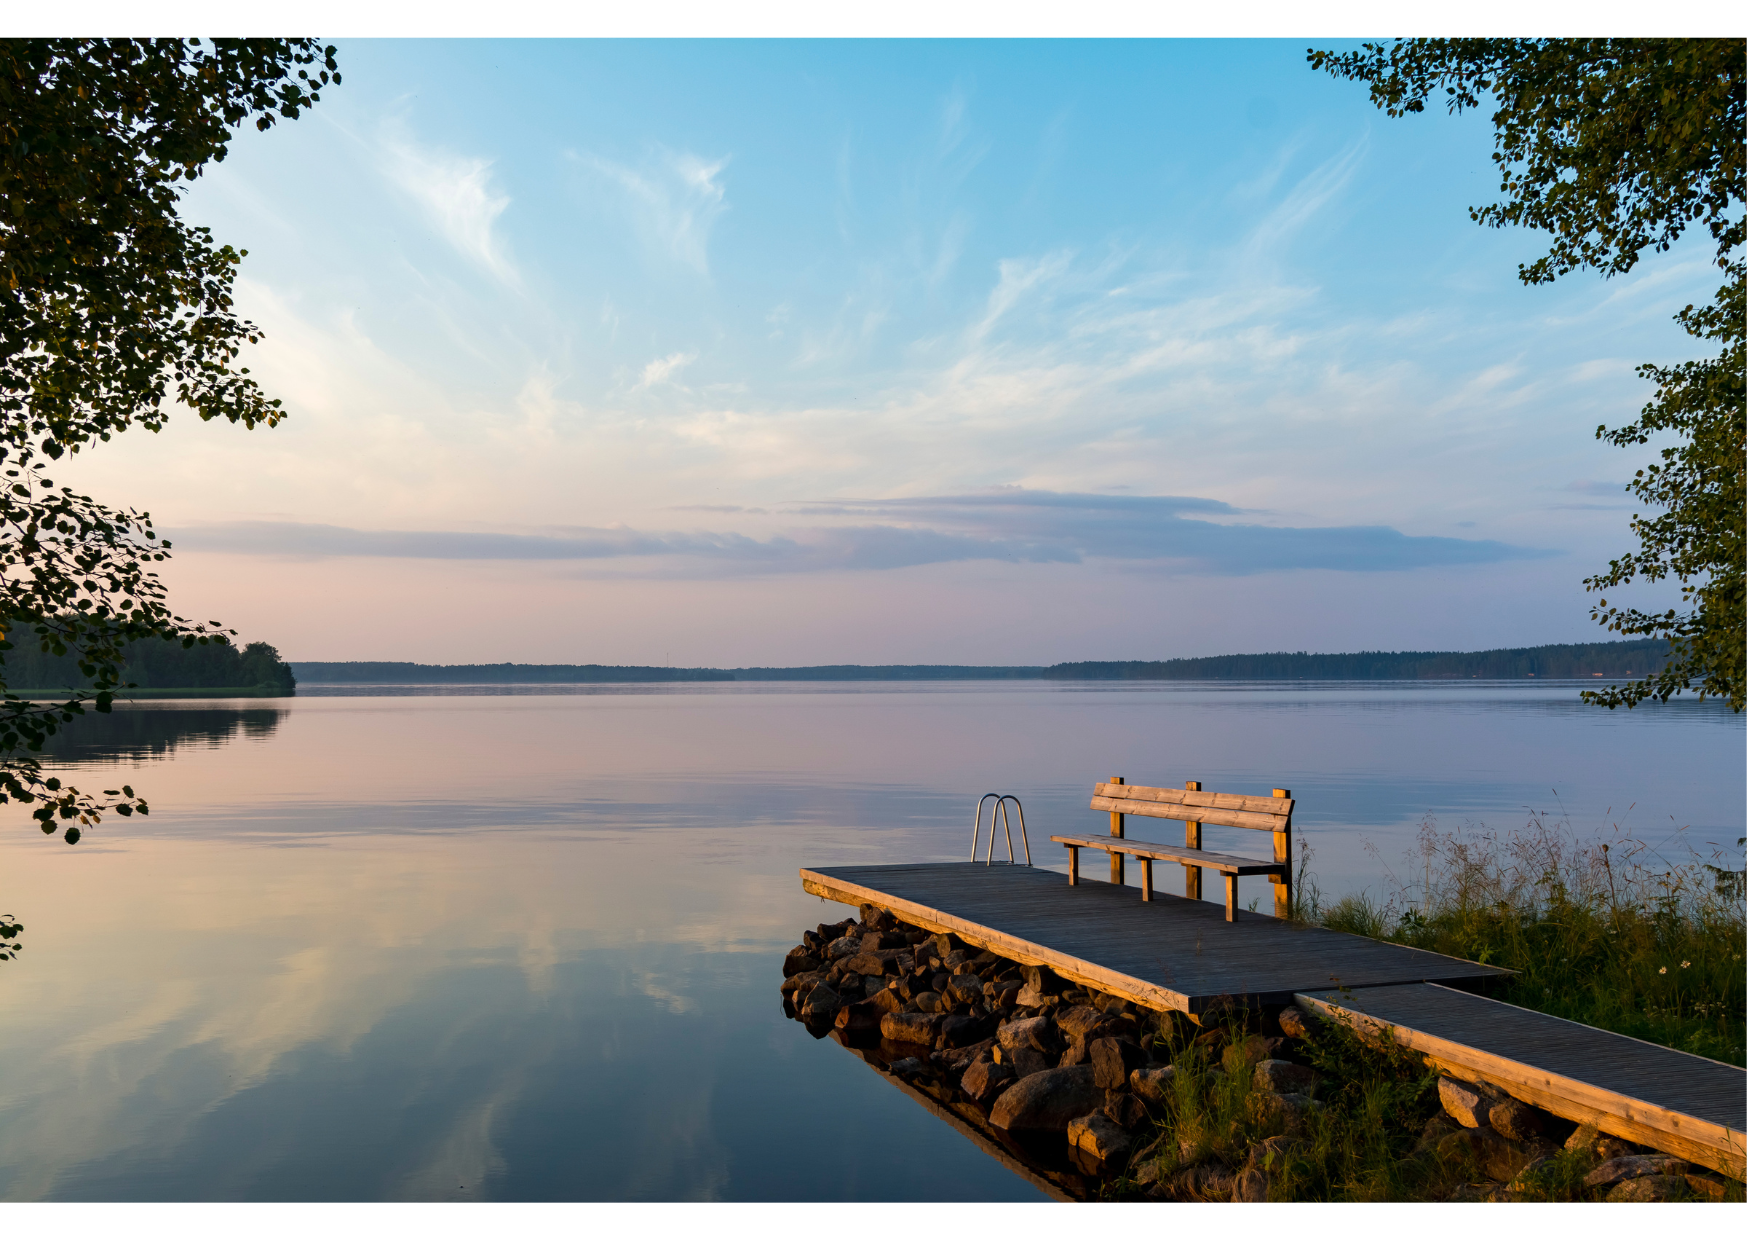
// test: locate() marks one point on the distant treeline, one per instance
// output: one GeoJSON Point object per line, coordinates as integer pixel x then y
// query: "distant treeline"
{"type": "Point", "coordinates": [1589, 660]}
{"type": "Point", "coordinates": [159, 665]}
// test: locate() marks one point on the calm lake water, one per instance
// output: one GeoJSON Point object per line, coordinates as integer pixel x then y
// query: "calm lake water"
{"type": "Point", "coordinates": [525, 945]}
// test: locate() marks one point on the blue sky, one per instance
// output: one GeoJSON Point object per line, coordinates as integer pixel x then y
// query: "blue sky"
{"type": "Point", "coordinates": [727, 353]}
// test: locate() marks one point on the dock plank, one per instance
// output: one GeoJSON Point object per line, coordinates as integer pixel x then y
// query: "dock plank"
{"type": "Point", "coordinates": [1167, 953]}
{"type": "Point", "coordinates": [1694, 1107]}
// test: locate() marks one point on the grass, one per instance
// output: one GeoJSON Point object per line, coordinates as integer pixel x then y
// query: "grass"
{"type": "Point", "coordinates": [1613, 934]}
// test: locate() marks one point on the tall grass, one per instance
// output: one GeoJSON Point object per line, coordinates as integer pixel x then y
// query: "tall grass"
{"type": "Point", "coordinates": [1645, 941]}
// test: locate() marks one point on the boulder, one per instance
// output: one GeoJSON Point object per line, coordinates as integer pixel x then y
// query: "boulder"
{"type": "Point", "coordinates": [1437, 1129]}
{"type": "Point", "coordinates": [1152, 1084]}
{"type": "Point", "coordinates": [953, 959]}
{"type": "Point", "coordinates": [1125, 1111]}
{"type": "Point", "coordinates": [1296, 1022]}
{"type": "Point", "coordinates": [1261, 1167]}
{"type": "Point", "coordinates": [1240, 1058]}
{"type": "Point", "coordinates": [965, 987]}
{"type": "Point", "coordinates": [876, 918]}
{"type": "Point", "coordinates": [910, 1065]}
{"type": "Point", "coordinates": [1113, 1059]}
{"type": "Point", "coordinates": [916, 1027]}
{"type": "Point", "coordinates": [1040, 978]}
{"type": "Point", "coordinates": [1049, 1100]}
{"type": "Point", "coordinates": [843, 948]}
{"type": "Point", "coordinates": [1095, 1134]}
{"type": "Point", "coordinates": [802, 982]}
{"type": "Point", "coordinates": [1632, 1167]}
{"type": "Point", "coordinates": [1500, 1159]}
{"type": "Point", "coordinates": [983, 1081]}
{"type": "Point", "coordinates": [1029, 997]}
{"type": "Point", "coordinates": [1706, 1186]}
{"type": "Point", "coordinates": [886, 1000]}
{"type": "Point", "coordinates": [834, 931]}
{"type": "Point", "coordinates": [1649, 1188]}
{"type": "Point", "coordinates": [799, 961]}
{"type": "Point", "coordinates": [1515, 1120]}
{"type": "Point", "coordinates": [822, 1004]}
{"type": "Point", "coordinates": [1077, 1022]}
{"type": "Point", "coordinates": [858, 1018]}
{"type": "Point", "coordinates": [1287, 1111]}
{"type": "Point", "coordinates": [869, 964]}
{"type": "Point", "coordinates": [1036, 1033]}
{"type": "Point", "coordinates": [1026, 1061]}
{"type": "Point", "coordinates": [927, 1001]}
{"type": "Point", "coordinates": [1279, 1076]}
{"type": "Point", "coordinates": [1463, 1102]}
{"type": "Point", "coordinates": [961, 1030]}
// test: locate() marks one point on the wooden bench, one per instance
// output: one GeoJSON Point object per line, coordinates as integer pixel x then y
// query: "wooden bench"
{"type": "Point", "coordinates": [1193, 808]}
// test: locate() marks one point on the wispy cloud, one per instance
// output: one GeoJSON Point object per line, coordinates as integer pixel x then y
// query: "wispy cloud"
{"type": "Point", "coordinates": [663, 369]}
{"type": "Point", "coordinates": [1013, 525]}
{"type": "Point", "coordinates": [457, 194]}
{"type": "Point", "coordinates": [675, 200]}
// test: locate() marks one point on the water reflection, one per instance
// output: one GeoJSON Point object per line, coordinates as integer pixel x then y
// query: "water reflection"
{"type": "Point", "coordinates": [520, 948]}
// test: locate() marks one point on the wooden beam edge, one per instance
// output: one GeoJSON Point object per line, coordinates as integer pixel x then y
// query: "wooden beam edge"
{"type": "Point", "coordinates": [1063, 965]}
{"type": "Point", "coordinates": [1698, 1140]}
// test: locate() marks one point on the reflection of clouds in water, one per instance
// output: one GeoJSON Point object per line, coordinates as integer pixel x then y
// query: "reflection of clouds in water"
{"type": "Point", "coordinates": [260, 955]}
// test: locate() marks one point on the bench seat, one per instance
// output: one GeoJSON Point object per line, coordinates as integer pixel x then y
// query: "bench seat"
{"type": "Point", "coordinates": [1224, 862]}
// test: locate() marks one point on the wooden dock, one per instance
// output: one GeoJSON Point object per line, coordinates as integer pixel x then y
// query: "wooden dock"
{"type": "Point", "coordinates": [1178, 954]}
{"type": "Point", "coordinates": [1169, 953]}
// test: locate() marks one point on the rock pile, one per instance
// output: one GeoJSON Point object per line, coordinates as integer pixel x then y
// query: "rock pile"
{"type": "Point", "coordinates": [1057, 1070]}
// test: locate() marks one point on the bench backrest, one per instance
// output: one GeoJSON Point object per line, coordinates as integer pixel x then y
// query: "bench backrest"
{"type": "Point", "coordinates": [1216, 809]}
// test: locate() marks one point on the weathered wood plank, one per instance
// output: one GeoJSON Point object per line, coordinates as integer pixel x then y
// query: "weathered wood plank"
{"type": "Point", "coordinates": [1183, 813]}
{"type": "Point", "coordinates": [1635, 1090]}
{"type": "Point", "coordinates": [1195, 797]}
{"type": "Point", "coordinates": [1226, 863]}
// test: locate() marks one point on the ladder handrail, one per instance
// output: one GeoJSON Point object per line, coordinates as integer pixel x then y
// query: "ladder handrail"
{"type": "Point", "coordinates": [1001, 800]}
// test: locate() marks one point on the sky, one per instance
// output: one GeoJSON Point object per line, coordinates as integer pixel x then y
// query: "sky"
{"type": "Point", "coordinates": [775, 353]}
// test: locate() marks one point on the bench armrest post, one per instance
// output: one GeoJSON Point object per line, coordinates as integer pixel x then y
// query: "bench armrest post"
{"type": "Point", "coordinates": [1193, 839]}
{"type": "Point", "coordinates": [1284, 855]}
{"type": "Point", "coordinates": [1117, 830]}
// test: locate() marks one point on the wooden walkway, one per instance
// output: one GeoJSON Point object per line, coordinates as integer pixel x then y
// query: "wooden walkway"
{"type": "Point", "coordinates": [1179, 954]}
{"type": "Point", "coordinates": [1170, 953]}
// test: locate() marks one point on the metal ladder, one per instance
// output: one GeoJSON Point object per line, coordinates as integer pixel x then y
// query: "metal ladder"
{"type": "Point", "coordinates": [1001, 804]}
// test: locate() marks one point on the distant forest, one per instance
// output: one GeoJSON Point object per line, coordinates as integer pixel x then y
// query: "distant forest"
{"type": "Point", "coordinates": [1586, 661]}
{"type": "Point", "coordinates": [256, 669]}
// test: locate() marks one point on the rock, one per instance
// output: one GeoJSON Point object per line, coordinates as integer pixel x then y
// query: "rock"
{"type": "Point", "coordinates": [1040, 978]}
{"type": "Point", "coordinates": [1464, 1102]}
{"type": "Point", "coordinates": [1298, 1023]}
{"type": "Point", "coordinates": [798, 961]}
{"type": "Point", "coordinates": [1501, 1159]}
{"type": "Point", "coordinates": [1602, 1147]}
{"type": "Point", "coordinates": [1253, 1050]}
{"type": "Point", "coordinates": [1634, 1166]}
{"type": "Point", "coordinates": [1077, 1022]}
{"type": "Point", "coordinates": [1075, 1054]}
{"type": "Point", "coordinates": [927, 1001]}
{"type": "Point", "coordinates": [802, 982]}
{"type": "Point", "coordinates": [1649, 1188]}
{"type": "Point", "coordinates": [956, 1059]}
{"type": "Point", "coordinates": [1210, 1181]}
{"type": "Point", "coordinates": [1278, 1076]}
{"type": "Point", "coordinates": [958, 1030]}
{"type": "Point", "coordinates": [1125, 1110]}
{"type": "Point", "coordinates": [1006, 994]}
{"type": "Point", "coordinates": [1264, 1163]}
{"type": "Point", "coordinates": [984, 1081]}
{"type": "Point", "coordinates": [843, 948]}
{"type": "Point", "coordinates": [831, 933]}
{"type": "Point", "coordinates": [1030, 997]}
{"type": "Point", "coordinates": [909, 1027]}
{"type": "Point", "coordinates": [1036, 1033]}
{"type": "Point", "coordinates": [1047, 1100]}
{"type": "Point", "coordinates": [822, 1004]}
{"type": "Point", "coordinates": [1026, 1060]}
{"type": "Point", "coordinates": [953, 959]}
{"type": "Point", "coordinates": [867, 963]}
{"type": "Point", "coordinates": [858, 1018]}
{"type": "Point", "coordinates": [1095, 1134]}
{"type": "Point", "coordinates": [1437, 1129]}
{"type": "Point", "coordinates": [908, 1066]}
{"type": "Point", "coordinates": [1705, 1185]}
{"type": "Point", "coordinates": [1153, 1084]}
{"type": "Point", "coordinates": [885, 1000]}
{"type": "Point", "coordinates": [1515, 1120]}
{"type": "Point", "coordinates": [965, 987]}
{"type": "Point", "coordinates": [1113, 1059]}
{"type": "Point", "coordinates": [1288, 1111]}
{"type": "Point", "coordinates": [876, 918]}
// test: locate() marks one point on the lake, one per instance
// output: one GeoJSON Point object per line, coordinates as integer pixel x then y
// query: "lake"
{"type": "Point", "coordinates": [524, 943]}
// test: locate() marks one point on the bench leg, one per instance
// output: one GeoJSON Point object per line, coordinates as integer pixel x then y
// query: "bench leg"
{"type": "Point", "coordinates": [1073, 865]}
{"type": "Point", "coordinates": [1193, 882]}
{"type": "Point", "coordinates": [1147, 878]}
{"type": "Point", "coordinates": [1231, 897]}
